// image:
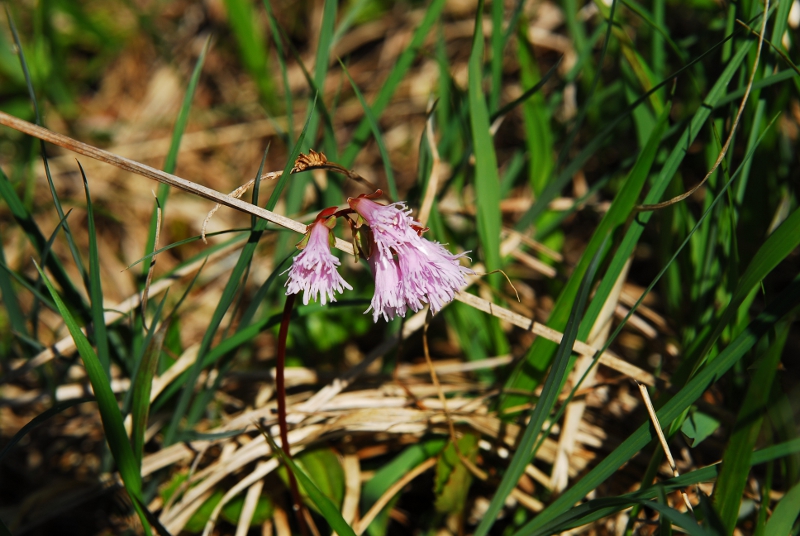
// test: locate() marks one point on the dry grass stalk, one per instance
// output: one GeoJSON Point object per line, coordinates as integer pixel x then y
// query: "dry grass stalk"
{"type": "Point", "coordinates": [663, 440]}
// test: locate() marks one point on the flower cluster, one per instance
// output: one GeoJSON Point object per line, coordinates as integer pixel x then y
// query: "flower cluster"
{"type": "Point", "coordinates": [410, 271]}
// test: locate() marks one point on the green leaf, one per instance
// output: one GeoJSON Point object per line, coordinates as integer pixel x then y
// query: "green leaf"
{"type": "Point", "coordinates": [114, 428]}
{"type": "Point", "coordinates": [786, 302]}
{"type": "Point", "coordinates": [232, 511]}
{"type": "Point", "coordinates": [401, 66]}
{"type": "Point", "coordinates": [95, 285]}
{"type": "Point", "coordinates": [323, 468]}
{"type": "Point", "coordinates": [526, 448]}
{"type": "Point", "coordinates": [786, 513]}
{"type": "Point", "coordinates": [697, 427]}
{"type": "Point", "coordinates": [736, 460]}
{"type": "Point", "coordinates": [376, 133]}
{"type": "Point", "coordinates": [392, 471]}
{"type": "Point", "coordinates": [487, 180]}
{"type": "Point", "coordinates": [453, 479]}
{"type": "Point", "coordinates": [324, 505]}
{"type": "Point", "coordinates": [41, 418]}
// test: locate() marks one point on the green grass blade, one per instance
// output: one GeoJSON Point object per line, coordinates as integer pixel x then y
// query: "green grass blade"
{"type": "Point", "coordinates": [396, 75]}
{"type": "Point", "coordinates": [9, 297]}
{"type": "Point", "coordinates": [40, 244]}
{"type": "Point", "coordinates": [57, 408]}
{"type": "Point", "coordinates": [95, 285]}
{"type": "Point", "coordinates": [294, 195]}
{"type": "Point", "coordinates": [542, 348]}
{"type": "Point", "coordinates": [29, 286]}
{"type": "Point", "coordinates": [287, 90]}
{"type": "Point", "coordinates": [376, 133]}
{"type": "Point", "coordinates": [550, 391]}
{"type": "Point", "coordinates": [56, 201]}
{"type": "Point", "coordinates": [595, 509]}
{"type": "Point", "coordinates": [206, 252]}
{"type": "Point", "coordinates": [106, 401]}
{"type": "Point", "coordinates": [776, 248]}
{"type": "Point", "coordinates": [536, 118]}
{"type": "Point", "coordinates": [487, 180]}
{"type": "Point", "coordinates": [142, 385]}
{"type": "Point", "coordinates": [497, 45]}
{"type": "Point", "coordinates": [787, 301]}
{"type": "Point", "coordinates": [736, 460]}
{"type": "Point", "coordinates": [621, 208]}
{"type": "Point", "coordinates": [243, 19]}
{"type": "Point", "coordinates": [230, 290]}
{"type": "Point", "coordinates": [786, 513]}
{"type": "Point", "coordinates": [326, 507]}
{"type": "Point", "coordinates": [602, 138]}
{"type": "Point", "coordinates": [174, 148]}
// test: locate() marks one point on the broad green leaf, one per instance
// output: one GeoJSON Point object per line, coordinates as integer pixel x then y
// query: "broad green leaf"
{"type": "Point", "coordinates": [785, 515]}
{"type": "Point", "coordinates": [698, 426]}
{"type": "Point", "coordinates": [453, 479]}
{"type": "Point", "coordinates": [324, 505]}
{"type": "Point", "coordinates": [323, 468]}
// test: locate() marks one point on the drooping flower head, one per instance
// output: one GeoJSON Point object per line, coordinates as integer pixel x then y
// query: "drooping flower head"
{"type": "Point", "coordinates": [314, 269]}
{"type": "Point", "coordinates": [426, 271]}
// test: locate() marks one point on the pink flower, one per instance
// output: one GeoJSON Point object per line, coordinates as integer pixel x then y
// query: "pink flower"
{"type": "Point", "coordinates": [388, 298]}
{"type": "Point", "coordinates": [314, 270]}
{"type": "Point", "coordinates": [424, 271]}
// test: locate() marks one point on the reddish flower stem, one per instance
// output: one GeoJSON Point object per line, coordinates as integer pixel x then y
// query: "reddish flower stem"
{"type": "Point", "coordinates": [280, 388]}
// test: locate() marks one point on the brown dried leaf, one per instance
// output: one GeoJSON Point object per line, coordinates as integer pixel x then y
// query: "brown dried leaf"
{"type": "Point", "coordinates": [310, 161]}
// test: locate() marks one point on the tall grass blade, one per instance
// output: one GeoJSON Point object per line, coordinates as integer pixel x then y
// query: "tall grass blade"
{"type": "Point", "coordinates": [736, 460]}
{"type": "Point", "coordinates": [175, 143]}
{"type": "Point", "coordinates": [543, 350]}
{"type": "Point", "coordinates": [552, 387]}
{"type": "Point", "coordinates": [595, 509]}
{"type": "Point", "coordinates": [376, 133]}
{"type": "Point", "coordinates": [325, 506]}
{"type": "Point", "coordinates": [57, 408]}
{"type": "Point", "coordinates": [616, 217]}
{"type": "Point", "coordinates": [784, 517]}
{"type": "Point", "coordinates": [244, 22]}
{"type": "Point", "coordinates": [40, 244]}
{"type": "Point", "coordinates": [229, 292]}
{"type": "Point", "coordinates": [487, 180]}
{"type": "Point", "coordinates": [95, 285]}
{"type": "Point", "coordinates": [396, 75]}
{"type": "Point", "coordinates": [107, 404]}
{"type": "Point", "coordinates": [38, 116]}
{"type": "Point", "coordinates": [287, 90]}
{"type": "Point", "coordinates": [142, 384]}
{"type": "Point", "coordinates": [9, 297]}
{"type": "Point", "coordinates": [787, 301]}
